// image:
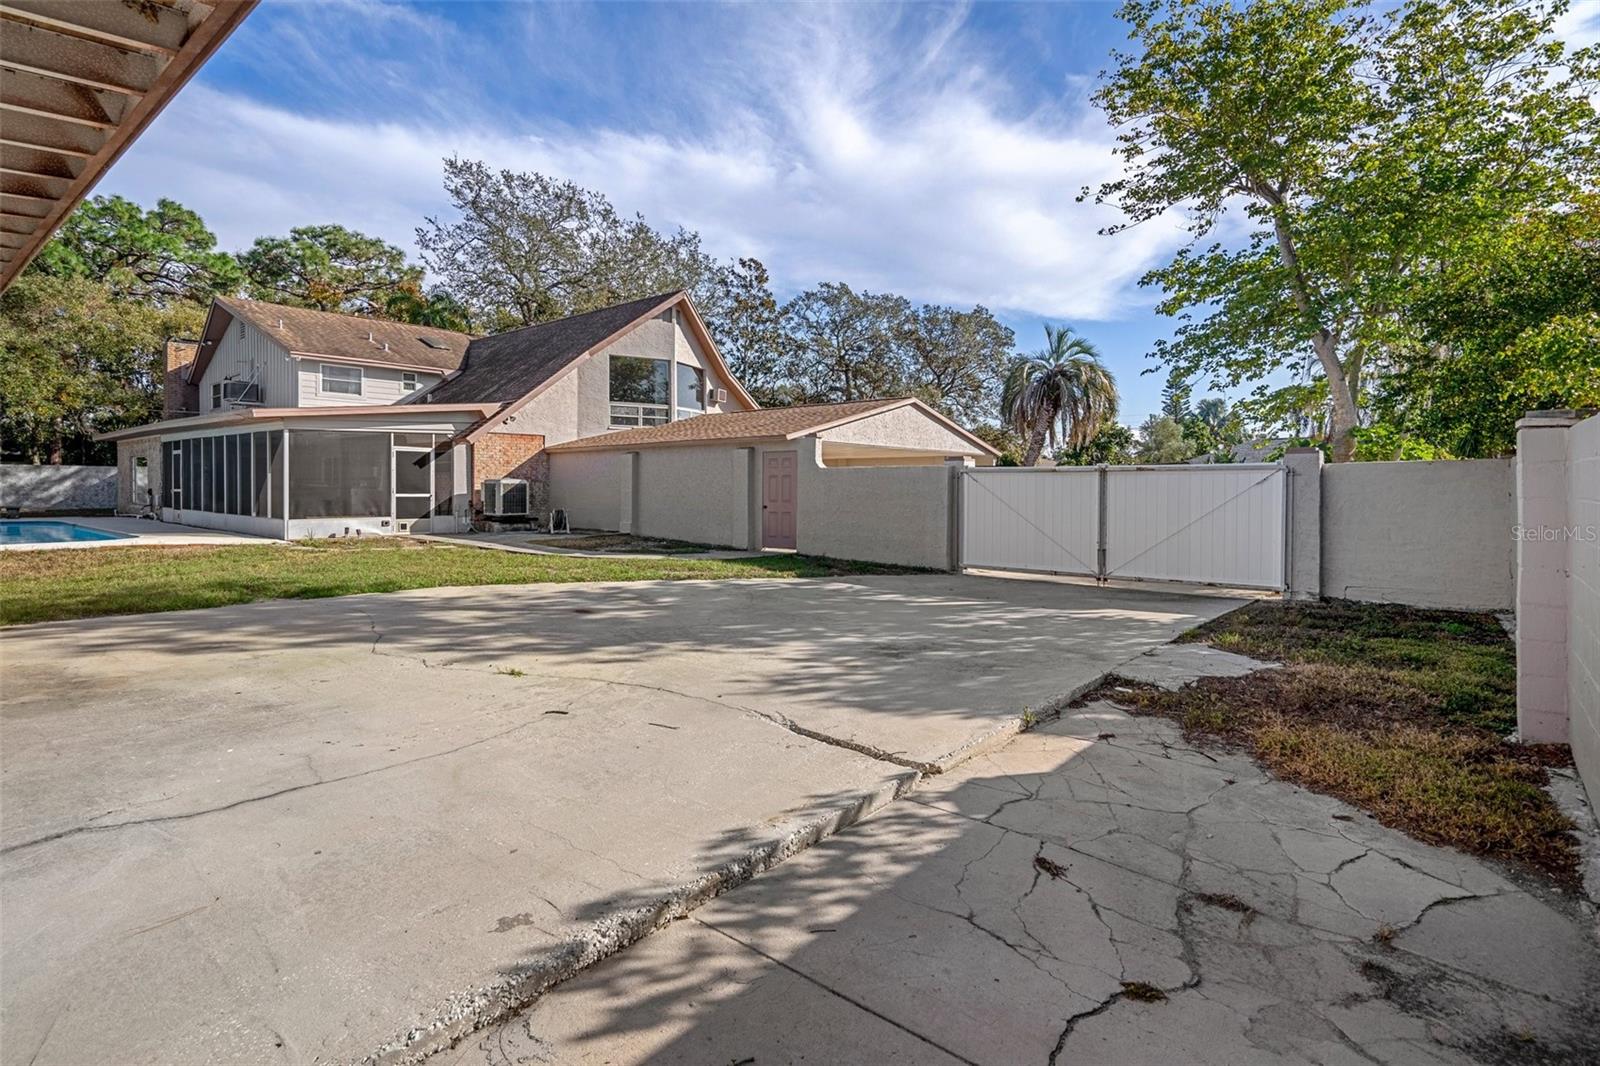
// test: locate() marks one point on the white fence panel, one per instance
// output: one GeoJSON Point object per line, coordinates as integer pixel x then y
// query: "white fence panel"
{"type": "Point", "coordinates": [1220, 525]}
{"type": "Point", "coordinates": [1041, 519]}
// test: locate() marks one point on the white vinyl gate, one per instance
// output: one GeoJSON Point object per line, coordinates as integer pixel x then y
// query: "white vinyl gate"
{"type": "Point", "coordinates": [1219, 524]}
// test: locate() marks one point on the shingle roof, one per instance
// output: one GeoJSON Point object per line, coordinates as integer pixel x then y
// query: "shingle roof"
{"type": "Point", "coordinates": [303, 330]}
{"type": "Point", "coordinates": [736, 425]}
{"type": "Point", "coordinates": [507, 366]}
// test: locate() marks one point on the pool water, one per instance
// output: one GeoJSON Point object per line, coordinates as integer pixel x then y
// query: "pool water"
{"type": "Point", "coordinates": [36, 532]}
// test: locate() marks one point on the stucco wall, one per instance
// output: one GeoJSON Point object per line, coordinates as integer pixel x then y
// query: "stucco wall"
{"type": "Point", "coordinates": [1427, 534]}
{"type": "Point", "coordinates": [700, 495]}
{"type": "Point", "coordinates": [1583, 599]}
{"type": "Point", "coordinates": [578, 404]}
{"type": "Point", "coordinates": [903, 427]}
{"type": "Point", "coordinates": [589, 486]}
{"type": "Point", "coordinates": [896, 515]}
{"type": "Point", "coordinates": [38, 489]}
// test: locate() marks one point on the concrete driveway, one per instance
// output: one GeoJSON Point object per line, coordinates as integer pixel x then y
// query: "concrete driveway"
{"type": "Point", "coordinates": [322, 830]}
{"type": "Point", "coordinates": [1096, 892]}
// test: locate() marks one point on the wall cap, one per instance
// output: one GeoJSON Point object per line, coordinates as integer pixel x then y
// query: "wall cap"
{"type": "Point", "coordinates": [1557, 419]}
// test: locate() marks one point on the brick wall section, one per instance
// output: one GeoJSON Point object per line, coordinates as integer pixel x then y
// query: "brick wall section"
{"type": "Point", "coordinates": [1583, 599]}
{"type": "Point", "coordinates": [521, 455]}
{"type": "Point", "coordinates": [178, 397]}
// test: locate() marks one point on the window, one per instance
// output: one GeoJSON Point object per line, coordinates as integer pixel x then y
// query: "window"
{"type": "Point", "coordinates": [216, 395]}
{"type": "Point", "coordinates": [408, 381]}
{"type": "Point", "coordinates": [691, 391]}
{"type": "Point", "coordinates": [341, 380]}
{"type": "Point", "coordinates": [435, 344]}
{"type": "Point", "coordinates": [640, 391]}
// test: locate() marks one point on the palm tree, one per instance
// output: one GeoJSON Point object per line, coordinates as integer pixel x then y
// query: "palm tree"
{"type": "Point", "coordinates": [437, 309]}
{"type": "Point", "coordinates": [1213, 411]}
{"type": "Point", "coordinates": [1064, 386]}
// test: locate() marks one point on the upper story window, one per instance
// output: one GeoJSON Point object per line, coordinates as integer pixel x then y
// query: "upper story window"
{"type": "Point", "coordinates": [408, 381]}
{"type": "Point", "coordinates": [640, 391]}
{"type": "Point", "coordinates": [341, 380]}
{"type": "Point", "coordinates": [691, 391]}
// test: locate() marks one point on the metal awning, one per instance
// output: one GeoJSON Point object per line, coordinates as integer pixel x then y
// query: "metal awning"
{"type": "Point", "coordinates": [79, 81]}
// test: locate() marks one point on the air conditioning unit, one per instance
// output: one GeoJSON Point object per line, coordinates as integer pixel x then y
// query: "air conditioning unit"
{"type": "Point", "coordinates": [243, 393]}
{"type": "Point", "coordinates": [721, 395]}
{"type": "Point", "coordinates": [505, 497]}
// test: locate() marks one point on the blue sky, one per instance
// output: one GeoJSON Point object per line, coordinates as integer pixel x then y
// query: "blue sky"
{"type": "Point", "coordinates": [931, 150]}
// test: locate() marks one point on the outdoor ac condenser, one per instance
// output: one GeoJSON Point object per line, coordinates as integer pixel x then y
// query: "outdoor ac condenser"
{"type": "Point", "coordinates": [505, 497]}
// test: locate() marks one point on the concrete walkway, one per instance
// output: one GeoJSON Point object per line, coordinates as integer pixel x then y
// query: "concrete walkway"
{"type": "Point", "coordinates": [1096, 892]}
{"type": "Point", "coordinates": [302, 831]}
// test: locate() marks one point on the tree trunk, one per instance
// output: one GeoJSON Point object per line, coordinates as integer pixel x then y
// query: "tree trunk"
{"type": "Point", "coordinates": [1340, 391]}
{"type": "Point", "coordinates": [1325, 343]}
{"type": "Point", "coordinates": [1036, 439]}
{"type": "Point", "coordinates": [58, 449]}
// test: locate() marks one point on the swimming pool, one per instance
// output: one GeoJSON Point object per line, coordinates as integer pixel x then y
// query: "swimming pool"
{"type": "Point", "coordinates": [34, 531]}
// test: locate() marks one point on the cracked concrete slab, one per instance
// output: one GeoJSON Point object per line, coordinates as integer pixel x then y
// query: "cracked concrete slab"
{"type": "Point", "coordinates": [1172, 666]}
{"type": "Point", "coordinates": [290, 831]}
{"type": "Point", "coordinates": [1099, 891]}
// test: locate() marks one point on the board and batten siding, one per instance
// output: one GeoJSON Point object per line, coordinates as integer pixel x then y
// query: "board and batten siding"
{"type": "Point", "coordinates": [243, 352]}
{"type": "Point", "coordinates": [379, 384]}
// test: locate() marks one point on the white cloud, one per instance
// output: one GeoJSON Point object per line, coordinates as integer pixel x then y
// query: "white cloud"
{"type": "Point", "coordinates": [914, 172]}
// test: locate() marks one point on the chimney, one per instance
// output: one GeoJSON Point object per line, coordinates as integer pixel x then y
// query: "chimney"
{"type": "Point", "coordinates": [178, 397]}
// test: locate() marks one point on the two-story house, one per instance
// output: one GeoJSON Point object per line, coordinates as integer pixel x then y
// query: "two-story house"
{"type": "Point", "coordinates": [294, 423]}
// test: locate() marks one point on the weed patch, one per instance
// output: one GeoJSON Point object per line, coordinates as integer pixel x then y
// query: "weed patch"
{"type": "Point", "coordinates": [1399, 711]}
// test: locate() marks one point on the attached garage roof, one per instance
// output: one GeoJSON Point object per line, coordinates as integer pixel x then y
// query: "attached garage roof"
{"type": "Point", "coordinates": [771, 423]}
{"type": "Point", "coordinates": [79, 81]}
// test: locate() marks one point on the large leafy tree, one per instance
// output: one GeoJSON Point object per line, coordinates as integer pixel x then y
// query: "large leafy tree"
{"type": "Point", "coordinates": [78, 357]}
{"type": "Point", "coordinates": [1508, 324]}
{"type": "Point", "coordinates": [1064, 387]}
{"type": "Point", "coordinates": [749, 331]}
{"type": "Point", "coordinates": [955, 360]}
{"type": "Point", "coordinates": [327, 268]}
{"type": "Point", "coordinates": [1351, 148]}
{"type": "Point", "coordinates": [159, 256]}
{"type": "Point", "coordinates": [527, 247]}
{"type": "Point", "coordinates": [839, 344]}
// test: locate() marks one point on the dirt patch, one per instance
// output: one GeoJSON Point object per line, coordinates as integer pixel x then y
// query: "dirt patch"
{"type": "Point", "coordinates": [1398, 711]}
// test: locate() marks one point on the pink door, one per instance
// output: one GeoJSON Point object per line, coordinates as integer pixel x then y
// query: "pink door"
{"type": "Point", "coordinates": [777, 500]}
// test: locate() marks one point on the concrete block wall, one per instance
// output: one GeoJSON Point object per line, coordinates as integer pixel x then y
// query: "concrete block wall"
{"type": "Point", "coordinates": [61, 489]}
{"type": "Point", "coordinates": [1433, 535]}
{"type": "Point", "coordinates": [894, 515]}
{"type": "Point", "coordinates": [1583, 599]}
{"type": "Point", "coordinates": [1541, 543]}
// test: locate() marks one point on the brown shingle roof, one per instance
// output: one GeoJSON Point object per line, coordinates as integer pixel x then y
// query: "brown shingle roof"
{"type": "Point", "coordinates": [781, 422]}
{"type": "Point", "coordinates": [337, 336]}
{"type": "Point", "coordinates": [507, 366]}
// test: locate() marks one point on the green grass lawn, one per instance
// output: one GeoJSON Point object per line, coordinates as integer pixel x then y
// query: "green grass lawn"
{"type": "Point", "coordinates": [1397, 710]}
{"type": "Point", "coordinates": [42, 586]}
